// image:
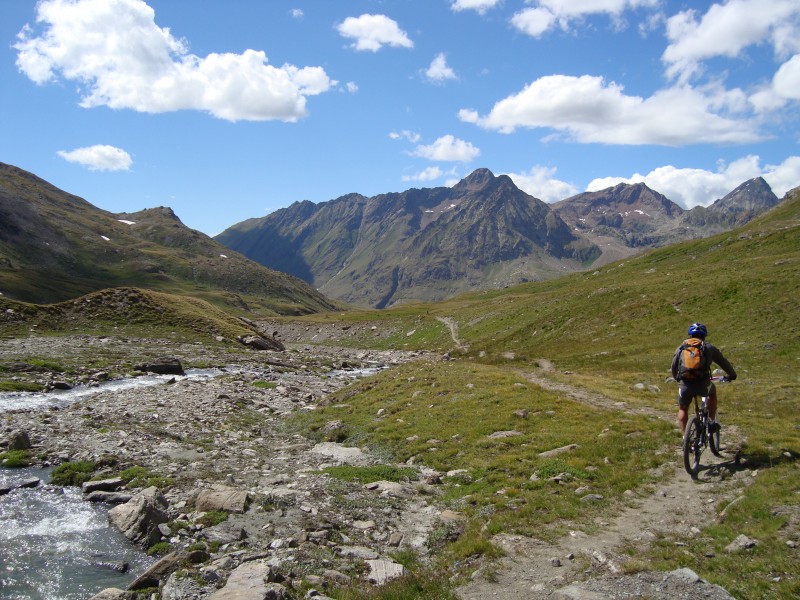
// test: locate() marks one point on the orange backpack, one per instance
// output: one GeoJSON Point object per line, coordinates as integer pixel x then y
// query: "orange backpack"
{"type": "Point", "coordinates": [693, 360]}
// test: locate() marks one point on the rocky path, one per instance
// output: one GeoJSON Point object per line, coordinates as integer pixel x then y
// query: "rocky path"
{"type": "Point", "coordinates": [591, 566]}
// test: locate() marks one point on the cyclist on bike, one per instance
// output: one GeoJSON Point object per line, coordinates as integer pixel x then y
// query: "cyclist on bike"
{"type": "Point", "coordinates": [701, 385]}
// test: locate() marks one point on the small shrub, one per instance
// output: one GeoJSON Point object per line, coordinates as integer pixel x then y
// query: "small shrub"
{"type": "Point", "coordinates": [372, 473]}
{"type": "Point", "coordinates": [159, 549]}
{"type": "Point", "coordinates": [213, 517]}
{"type": "Point", "coordinates": [15, 459]}
{"type": "Point", "coordinates": [265, 385]}
{"type": "Point", "coordinates": [73, 473]}
{"type": "Point", "coordinates": [140, 477]}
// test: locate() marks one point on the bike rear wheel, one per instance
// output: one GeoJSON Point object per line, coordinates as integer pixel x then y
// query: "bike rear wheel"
{"type": "Point", "coordinates": [693, 446]}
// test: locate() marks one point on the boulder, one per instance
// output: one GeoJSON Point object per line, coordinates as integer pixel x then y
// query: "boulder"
{"type": "Point", "coordinates": [103, 485]}
{"type": "Point", "coordinates": [111, 594]}
{"type": "Point", "coordinates": [260, 343]}
{"type": "Point", "coordinates": [381, 571]}
{"type": "Point", "coordinates": [164, 365]}
{"type": "Point", "coordinates": [140, 517]}
{"type": "Point", "coordinates": [250, 581]}
{"type": "Point", "coordinates": [19, 440]}
{"type": "Point", "coordinates": [108, 497]}
{"type": "Point", "coordinates": [223, 498]}
{"type": "Point", "coordinates": [159, 571]}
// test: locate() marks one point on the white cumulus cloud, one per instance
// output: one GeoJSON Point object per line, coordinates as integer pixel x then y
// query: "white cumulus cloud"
{"type": "Point", "coordinates": [372, 32]}
{"type": "Point", "coordinates": [411, 136]}
{"type": "Point", "coordinates": [540, 183]}
{"type": "Point", "coordinates": [699, 187]}
{"type": "Point", "coordinates": [727, 29]}
{"type": "Point", "coordinates": [123, 60]}
{"type": "Point", "coordinates": [448, 149]}
{"type": "Point", "coordinates": [479, 6]}
{"type": "Point", "coordinates": [99, 158]}
{"type": "Point", "coordinates": [428, 174]}
{"type": "Point", "coordinates": [587, 109]}
{"type": "Point", "coordinates": [438, 70]}
{"type": "Point", "coordinates": [547, 14]}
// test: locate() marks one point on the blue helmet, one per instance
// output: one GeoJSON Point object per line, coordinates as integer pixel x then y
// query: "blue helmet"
{"type": "Point", "coordinates": [698, 330]}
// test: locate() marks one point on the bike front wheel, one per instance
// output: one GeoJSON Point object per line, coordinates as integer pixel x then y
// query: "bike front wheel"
{"type": "Point", "coordinates": [713, 443]}
{"type": "Point", "coordinates": [693, 446]}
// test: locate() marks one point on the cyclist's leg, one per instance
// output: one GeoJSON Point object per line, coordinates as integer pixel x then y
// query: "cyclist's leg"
{"type": "Point", "coordinates": [684, 399]}
{"type": "Point", "coordinates": [712, 401]}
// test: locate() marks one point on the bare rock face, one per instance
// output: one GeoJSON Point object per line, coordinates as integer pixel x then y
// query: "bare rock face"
{"type": "Point", "coordinates": [140, 517]}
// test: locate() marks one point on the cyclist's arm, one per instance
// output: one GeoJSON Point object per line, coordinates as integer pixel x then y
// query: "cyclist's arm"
{"type": "Point", "coordinates": [675, 363]}
{"type": "Point", "coordinates": [723, 362]}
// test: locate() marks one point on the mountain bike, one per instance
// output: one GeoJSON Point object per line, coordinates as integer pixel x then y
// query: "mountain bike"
{"type": "Point", "coordinates": [698, 436]}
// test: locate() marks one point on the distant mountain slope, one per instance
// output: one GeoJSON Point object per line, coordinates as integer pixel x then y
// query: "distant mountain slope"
{"type": "Point", "coordinates": [625, 219]}
{"type": "Point", "coordinates": [55, 246]}
{"type": "Point", "coordinates": [421, 244]}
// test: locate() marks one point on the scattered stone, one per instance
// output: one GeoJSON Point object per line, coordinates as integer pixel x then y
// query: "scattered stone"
{"type": "Point", "coordinates": [382, 571]}
{"type": "Point", "coordinates": [503, 434]}
{"type": "Point", "coordinates": [742, 542]}
{"type": "Point", "coordinates": [557, 451]}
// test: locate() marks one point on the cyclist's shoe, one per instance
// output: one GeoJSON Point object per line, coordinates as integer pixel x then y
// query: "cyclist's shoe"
{"type": "Point", "coordinates": [714, 427]}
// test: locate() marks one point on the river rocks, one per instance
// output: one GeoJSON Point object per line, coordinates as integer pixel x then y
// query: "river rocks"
{"type": "Point", "coordinates": [104, 485]}
{"type": "Point", "coordinates": [111, 594]}
{"type": "Point", "coordinates": [138, 519]}
{"type": "Point", "coordinates": [221, 444]}
{"type": "Point", "coordinates": [31, 482]}
{"type": "Point", "coordinates": [108, 497]}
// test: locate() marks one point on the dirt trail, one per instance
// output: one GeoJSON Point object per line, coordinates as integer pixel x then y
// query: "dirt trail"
{"type": "Point", "coordinates": [591, 565]}
{"type": "Point", "coordinates": [453, 326]}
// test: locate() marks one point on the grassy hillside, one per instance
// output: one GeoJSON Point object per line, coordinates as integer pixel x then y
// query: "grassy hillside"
{"type": "Point", "coordinates": [55, 246]}
{"type": "Point", "coordinates": [123, 311]}
{"type": "Point", "coordinates": [604, 332]}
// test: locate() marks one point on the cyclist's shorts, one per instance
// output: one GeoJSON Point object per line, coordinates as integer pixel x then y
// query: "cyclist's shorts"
{"type": "Point", "coordinates": [688, 391]}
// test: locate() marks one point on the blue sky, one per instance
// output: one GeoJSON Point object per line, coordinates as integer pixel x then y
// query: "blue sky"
{"type": "Point", "coordinates": [226, 110]}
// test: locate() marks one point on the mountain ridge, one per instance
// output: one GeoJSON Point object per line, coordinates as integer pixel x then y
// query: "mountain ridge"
{"type": "Point", "coordinates": [428, 244]}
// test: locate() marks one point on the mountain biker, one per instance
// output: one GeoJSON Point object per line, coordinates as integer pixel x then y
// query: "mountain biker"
{"type": "Point", "coordinates": [701, 386]}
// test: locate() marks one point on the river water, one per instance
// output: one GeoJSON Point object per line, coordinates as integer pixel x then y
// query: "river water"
{"type": "Point", "coordinates": [53, 544]}
{"type": "Point", "coordinates": [56, 546]}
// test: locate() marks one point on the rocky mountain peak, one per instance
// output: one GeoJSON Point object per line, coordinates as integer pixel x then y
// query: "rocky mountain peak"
{"type": "Point", "coordinates": [754, 195]}
{"type": "Point", "coordinates": [476, 181]}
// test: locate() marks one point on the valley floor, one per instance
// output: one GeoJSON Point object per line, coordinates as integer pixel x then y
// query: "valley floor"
{"type": "Point", "coordinates": [317, 531]}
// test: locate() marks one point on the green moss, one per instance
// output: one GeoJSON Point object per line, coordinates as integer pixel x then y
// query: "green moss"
{"type": "Point", "coordinates": [15, 459]}
{"type": "Point", "coordinates": [73, 473]}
